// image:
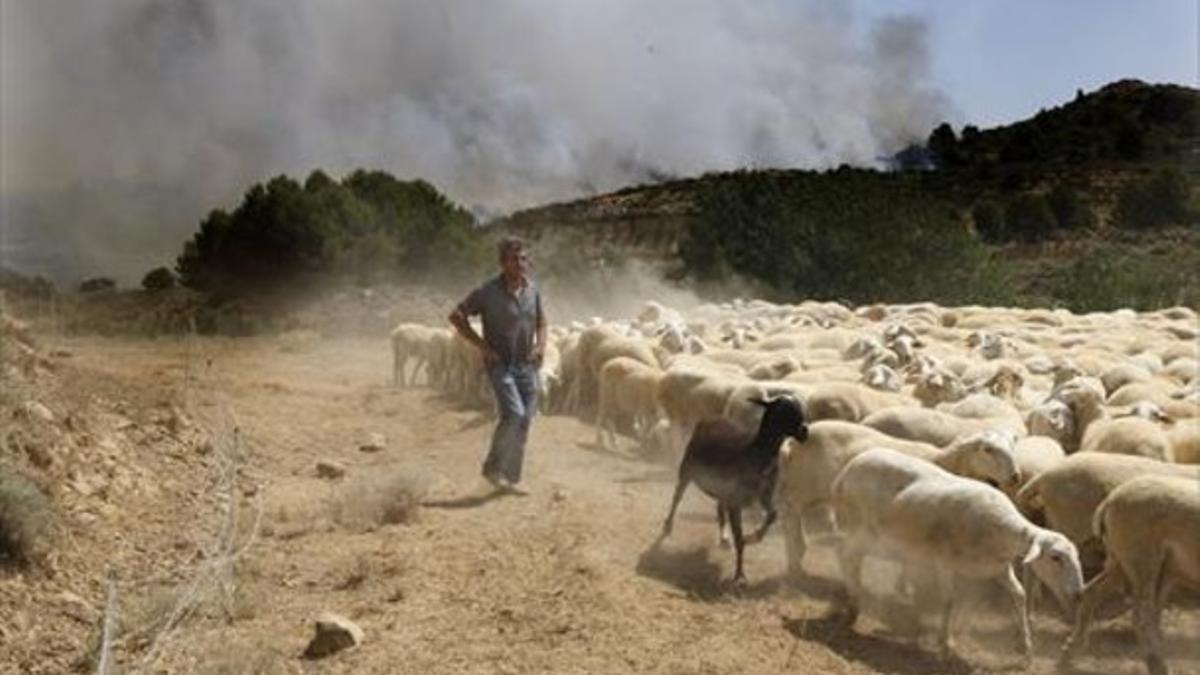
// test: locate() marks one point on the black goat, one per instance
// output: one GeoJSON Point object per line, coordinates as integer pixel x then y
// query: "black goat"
{"type": "Point", "coordinates": [736, 467]}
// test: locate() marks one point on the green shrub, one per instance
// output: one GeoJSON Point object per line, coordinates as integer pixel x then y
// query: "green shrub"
{"type": "Point", "coordinates": [852, 235]}
{"type": "Point", "coordinates": [370, 227]}
{"type": "Point", "coordinates": [989, 222]}
{"type": "Point", "coordinates": [26, 515]}
{"type": "Point", "coordinates": [1111, 279]}
{"type": "Point", "coordinates": [1069, 209]}
{"type": "Point", "coordinates": [1029, 217]}
{"type": "Point", "coordinates": [1161, 200]}
{"type": "Point", "coordinates": [158, 279]}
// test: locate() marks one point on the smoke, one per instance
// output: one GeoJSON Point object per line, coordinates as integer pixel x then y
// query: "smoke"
{"type": "Point", "coordinates": [124, 121]}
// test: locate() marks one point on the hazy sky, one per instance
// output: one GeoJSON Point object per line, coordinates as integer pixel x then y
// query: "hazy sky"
{"type": "Point", "coordinates": [122, 122]}
{"type": "Point", "coordinates": [1002, 60]}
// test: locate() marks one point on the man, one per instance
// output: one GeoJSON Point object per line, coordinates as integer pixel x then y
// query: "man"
{"type": "Point", "coordinates": [512, 345]}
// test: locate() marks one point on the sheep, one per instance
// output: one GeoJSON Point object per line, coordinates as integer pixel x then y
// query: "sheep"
{"type": "Point", "coordinates": [597, 345]}
{"type": "Point", "coordinates": [1085, 397]}
{"type": "Point", "coordinates": [962, 528]}
{"type": "Point", "coordinates": [550, 378]}
{"type": "Point", "coordinates": [882, 378]}
{"type": "Point", "coordinates": [850, 401]}
{"type": "Point", "coordinates": [737, 468]}
{"type": "Point", "coordinates": [1052, 419]}
{"type": "Point", "coordinates": [774, 369]}
{"type": "Point", "coordinates": [1036, 455]}
{"type": "Point", "coordinates": [935, 427]}
{"type": "Point", "coordinates": [630, 387]}
{"type": "Point", "coordinates": [1130, 435]}
{"type": "Point", "coordinates": [982, 406]}
{"type": "Point", "coordinates": [1066, 496]}
{"type": "Point", "coordinates": [1122, 374]}
{"type": "Point", "coordinates": [742, 412]}
{"type": "Point", "coordinates": [808, 468]}
{"type": "Point", "coordinates": [409, 341]}
{"type": "Point", "coordinates": [1183, 370]}
{"type": "Point", "coordinates": [1148, 526]}
{"type": "Point", "coordinates": [1185, 441]}
{"type": "Point", "coordinates": [937, 384]}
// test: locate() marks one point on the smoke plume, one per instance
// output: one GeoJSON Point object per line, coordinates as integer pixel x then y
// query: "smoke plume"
{"type": "Point", "coordinates": [124, 121]}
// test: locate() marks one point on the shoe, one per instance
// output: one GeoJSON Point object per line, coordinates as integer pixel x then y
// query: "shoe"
{"type": "Point", "coordinates": [514, 489]}
{"type": "Point", "coordinates": [497, 482]}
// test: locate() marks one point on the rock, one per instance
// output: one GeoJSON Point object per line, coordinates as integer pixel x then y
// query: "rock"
{"type": "Point", "coordinates": [330, 469]}
{"type": "Point", "coordinates": [333, 634]}
{"type": "Point", "coordinates": [375, 442]}
{"type": "Point", "coordinates": [176, 422]}
{"type": "Point", "coordinates": [35, 410]}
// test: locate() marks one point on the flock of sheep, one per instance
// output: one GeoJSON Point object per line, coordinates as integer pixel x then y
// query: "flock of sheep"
{"type": "Point", "coordinates": [1032, 447]}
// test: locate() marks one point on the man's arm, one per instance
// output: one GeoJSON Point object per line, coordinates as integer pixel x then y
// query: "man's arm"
{"type": "Point", "coordinates": [539, 345]}
{"type": "Point", "coordinates": [462, 325]}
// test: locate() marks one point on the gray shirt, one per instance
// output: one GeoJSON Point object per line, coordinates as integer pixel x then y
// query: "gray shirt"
{"type": "Point", "coordinates": [509, 319]}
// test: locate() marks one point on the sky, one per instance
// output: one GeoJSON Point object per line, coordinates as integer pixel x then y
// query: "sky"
{"type": "Point", "coordinates": [123, 122]}
{"type": "Point", "coordinates": [1002, 60]}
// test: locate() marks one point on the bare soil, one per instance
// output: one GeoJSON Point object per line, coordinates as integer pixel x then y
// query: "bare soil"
{"type": "Point", "coordinates": [568, 579]}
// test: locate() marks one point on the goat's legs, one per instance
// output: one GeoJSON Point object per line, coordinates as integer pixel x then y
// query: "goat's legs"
{"type": "Point", "coordinates": [739, 542]}
{"type": "Point", "coordinates": [680, 486]}
{"type": "Point", "coordinates": [722, 532]}
{"type": "Point", "coordinates": [768, 505]}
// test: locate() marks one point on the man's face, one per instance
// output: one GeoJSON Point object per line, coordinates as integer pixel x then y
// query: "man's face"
{"type": "Point", "coordinates": [515, 263]}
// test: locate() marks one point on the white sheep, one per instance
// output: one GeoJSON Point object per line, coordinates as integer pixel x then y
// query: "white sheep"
{"type": "Point", "coordinates": [1149, 527]}
{"type": "Point", "coordinates": [1052, 419]}
{"type": "Point", "coordinates": [1065, 496]}
{"type": "Point", "coordinates": [409, 341]}
{"type": "Point", "coordinates": [935, 427]}
{"type": "Point", "coordinates": [882, 378]}
{"type": "Point", "coordinates": [958, 529]}
{"type": "Point", "coordinates": [850, 401]}
{"type": "Point", "coordinates": [807, 469]}
{"type": "Point", "coordinates": [1185, 441]}
{"type": "Point", "coordinates": [1036, 455]}
{"type": "Point", "coordinates": [1128, 435]}
{"type": "Point", "coordinates": [628, 388]}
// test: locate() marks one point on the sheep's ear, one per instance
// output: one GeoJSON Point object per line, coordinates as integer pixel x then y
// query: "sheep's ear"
{"type": "Point", "coordinates": [757, 401]}
{"type": "Point", "coordinates": [1035, 549]}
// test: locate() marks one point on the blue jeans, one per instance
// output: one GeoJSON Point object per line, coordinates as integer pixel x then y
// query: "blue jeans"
{"type": "Point", "coordinates": [515, 386]}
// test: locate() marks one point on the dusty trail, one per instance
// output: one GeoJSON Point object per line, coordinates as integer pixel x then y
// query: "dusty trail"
{"type": "Point", "coordinates": [564, 580]}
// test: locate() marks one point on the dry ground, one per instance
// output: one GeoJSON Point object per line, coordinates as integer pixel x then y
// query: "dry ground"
{"type": "Point", "coordinates": [564, 580]}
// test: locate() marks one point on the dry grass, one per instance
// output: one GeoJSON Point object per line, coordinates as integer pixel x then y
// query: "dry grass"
{"type": "Point", "coordinates": [382, 497]}
{"type": "Point", "coordinates": [299, 341]}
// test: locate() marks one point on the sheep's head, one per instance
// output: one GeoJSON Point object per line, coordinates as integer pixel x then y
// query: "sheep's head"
{"type": "Point", "coordinates": [672, 338]}
{"type": "Point", "coordinates": [939, 386]}
{"type": "Point", "coordinates": [1052, 419]}
{"type": "Point", "coordinates": [991, 455]}
{"type": "Point", "coordinates": [1083, 396]}
{"type": "Point", "coordinates": [1055, 560]}
{"type": "Point", "coordinates": [882, 377]}
{"type": "Point", "coordinates": [1006, 383]}
{"type": "Point", "coordinates": [783, 415]}
{"type": "Point", "coordinates": [862, 347]}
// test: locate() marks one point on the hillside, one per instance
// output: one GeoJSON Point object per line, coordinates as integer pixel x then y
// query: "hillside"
{"type": "Point", "coordinates": [1090, 176]}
